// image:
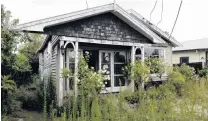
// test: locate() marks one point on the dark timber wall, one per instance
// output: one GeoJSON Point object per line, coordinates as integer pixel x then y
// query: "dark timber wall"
{"type": "Point", "coordinates": [105, 26]}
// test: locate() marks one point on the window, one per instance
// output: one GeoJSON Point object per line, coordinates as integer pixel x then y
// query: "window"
{"type": "Point", "coordinates": [69, 62]}
{"type": "Point", "coordinates": [119, 61]}
{"type": "Point", "coordinates": [184, 60]}
{"type": "Point", "coordinates": [154, 52]}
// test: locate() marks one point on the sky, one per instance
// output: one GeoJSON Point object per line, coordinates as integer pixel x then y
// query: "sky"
{"type": "Point", "coordinates": [192, 21]}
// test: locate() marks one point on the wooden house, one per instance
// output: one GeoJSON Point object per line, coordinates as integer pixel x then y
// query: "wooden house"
{"type": "Point", "coordinates": [111, 36]}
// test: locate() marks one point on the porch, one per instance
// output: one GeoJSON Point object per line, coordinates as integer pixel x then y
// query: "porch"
{"type": "Point", "coordinates": [110, 56]}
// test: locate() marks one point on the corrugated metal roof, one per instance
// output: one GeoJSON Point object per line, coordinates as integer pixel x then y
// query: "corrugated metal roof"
{"type": "Point", "coordinates": [193, 45]}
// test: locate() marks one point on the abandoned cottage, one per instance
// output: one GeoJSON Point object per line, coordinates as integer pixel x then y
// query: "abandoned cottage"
{"type": "Point", "coordinates": [111, 36]}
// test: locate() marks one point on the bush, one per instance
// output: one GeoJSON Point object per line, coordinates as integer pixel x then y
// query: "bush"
{"type": "Point", "coordinates": [28, 95]}
{"type": "Point", "coordinates": [178, 80]}
{"type": "Point", "coordinates": [187, 71]}
{"type": "Point", "coordinates": [132, 98]}
{"type": "Point", "coordinates": [204, 72]}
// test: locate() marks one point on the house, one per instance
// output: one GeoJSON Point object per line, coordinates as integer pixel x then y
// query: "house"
{"type": "Point", "coordinates": [110, 34]}
{"type": "Point", "coordinates": [193, 53]}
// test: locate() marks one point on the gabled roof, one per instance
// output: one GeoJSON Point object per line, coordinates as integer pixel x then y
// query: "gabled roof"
{"type": "Point", "coordinates": [39, 25]}
{"type": "Point", "coordinates": [154, 28]}
{"type": "Point", "coordinates": [199, 44]}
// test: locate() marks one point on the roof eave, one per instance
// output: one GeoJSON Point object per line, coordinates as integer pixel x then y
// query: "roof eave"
{"type": "Point", "coordinates": [154, 28]}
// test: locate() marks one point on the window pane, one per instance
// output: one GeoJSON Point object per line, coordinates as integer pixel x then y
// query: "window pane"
{"type": "Point", "coordinates": [119, 80]}
{"type": "Point", "coordinates": [119, 57]}
{"type": "Point", "coordinates": [151, 52]}
{"type": "Point", "coordinates": [71, 56]}
{"type": "Point", "coordinates": [71, 67]}
{"type": "Point", "coordinates": [106, 69]}
{"type": "Point", "coordinates": [65, 80]}
{"type": "Point", "coordinates": [184, 60]}
{"type": "Point", "coordinates": [71, 84]}
{"type": "Point", "coordinates": [105, 57]}
{"type": "Point", "coordinates": [118, 68]}
{"type": "Point", "coordinates": [107, 83]}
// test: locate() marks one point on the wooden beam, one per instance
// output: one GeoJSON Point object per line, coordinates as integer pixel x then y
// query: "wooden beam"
{"type": "Point", "coordinates": [76, 68]}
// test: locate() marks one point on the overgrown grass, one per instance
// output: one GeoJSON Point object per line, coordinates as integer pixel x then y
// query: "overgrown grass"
{"type": "Point", "coordinates": [162, 103]}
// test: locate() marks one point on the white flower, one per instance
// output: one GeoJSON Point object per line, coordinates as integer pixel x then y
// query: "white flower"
{"type": "Point", "coordinates": [86, 52]}
{"type": "Point", "coordinates": [103, 86]}
{"type": "Point", "coordinates": [78, 80]}
{"type": "Point", "coordinates": [107, 72]}
{"type": "Point", "coordinates": [94, 73]}
{"type": "Point", "coordinates": [108, 77]}
{"type": "Point", "coordinates": [106, 82]}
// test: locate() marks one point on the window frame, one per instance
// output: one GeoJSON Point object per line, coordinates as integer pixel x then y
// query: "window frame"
{"type": "Point", "coordinates": [183, 58]}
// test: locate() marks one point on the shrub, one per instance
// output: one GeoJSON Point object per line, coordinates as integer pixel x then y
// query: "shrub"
{"type": "Point", "coordinates": [204, 72]}
{"type": "Point", "coordinates": [132, 98]}
{"type": "Point", "coordinates": [177, 79]}
{"type": "Point", "coordinates": [8, 102]}
{"type": "Point", "coordinates": [187, 71]}
{"type": "Point", "coordinates": [90, 81]}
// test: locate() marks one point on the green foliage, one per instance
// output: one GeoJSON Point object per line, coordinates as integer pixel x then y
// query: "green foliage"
{"type": "Point", "coordinates": [29, 96]}
{"type": "Point", "coordinates": [178, 80]}
{"type": "Point", "coordinates": [140, 71]}
{"type": "Point", "coordinates": [31, 46]}
{"type": "Point", "coordinates": [204, 72]}
{"type": "Point", "coordinates": [187, 71]}
{"type": "Point", "coordinates": [156, 66]}
{"type": "Point", "coordinates": [90, 81]}
{"type": "Point", "coordinates": [7, 84]}
{"type": "Point", "coordinates": [66, 73]}
{"type": "Point", "coordinates": [8, 87]}
{"type": "Point", "coordinates": [96, 111]}
{"type": "Point", "coordinates": [21, 63]}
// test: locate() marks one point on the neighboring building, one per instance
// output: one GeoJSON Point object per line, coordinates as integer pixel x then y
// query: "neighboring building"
{"type": "Point", "coordinates": [193, 53]}
{"type": "Point", "coordinates": [110, 34]}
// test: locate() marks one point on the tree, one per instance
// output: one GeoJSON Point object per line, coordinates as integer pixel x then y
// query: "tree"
{"type": "Point", "coordinates": [30, 48]}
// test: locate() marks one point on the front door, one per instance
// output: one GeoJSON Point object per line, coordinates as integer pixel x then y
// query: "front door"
{"type": "Point", "coordinates": [112, 64]}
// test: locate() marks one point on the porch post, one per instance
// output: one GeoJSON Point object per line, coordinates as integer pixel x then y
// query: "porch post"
{"type": "Point", "coordinates": [76, 67]}
{"type": "Point", "coordinates": [142, 52]}
{"type": "Point", "coordinates": [60, 83]}
{"type": "Point", "coordinates": [142, 59]}
{"type": "Point", "coordinates": [132, 62]}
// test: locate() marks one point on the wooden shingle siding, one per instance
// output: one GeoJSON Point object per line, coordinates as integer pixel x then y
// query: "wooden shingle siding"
{"type": "Point", "coordinates": [105, 26]}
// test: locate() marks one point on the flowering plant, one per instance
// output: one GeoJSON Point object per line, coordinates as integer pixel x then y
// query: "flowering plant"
{"type": "Point", "coordinates": [90, 81]}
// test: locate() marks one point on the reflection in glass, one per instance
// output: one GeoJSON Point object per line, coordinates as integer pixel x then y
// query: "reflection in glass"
{"type": "Point", "coordinates": [119, 57]}
{"type": "Point", "coordinates": [107, 83]}
{"type": "Point", "coordinates": [105, 57]}
{"type": "Point", "coordinates": [118, 68]}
